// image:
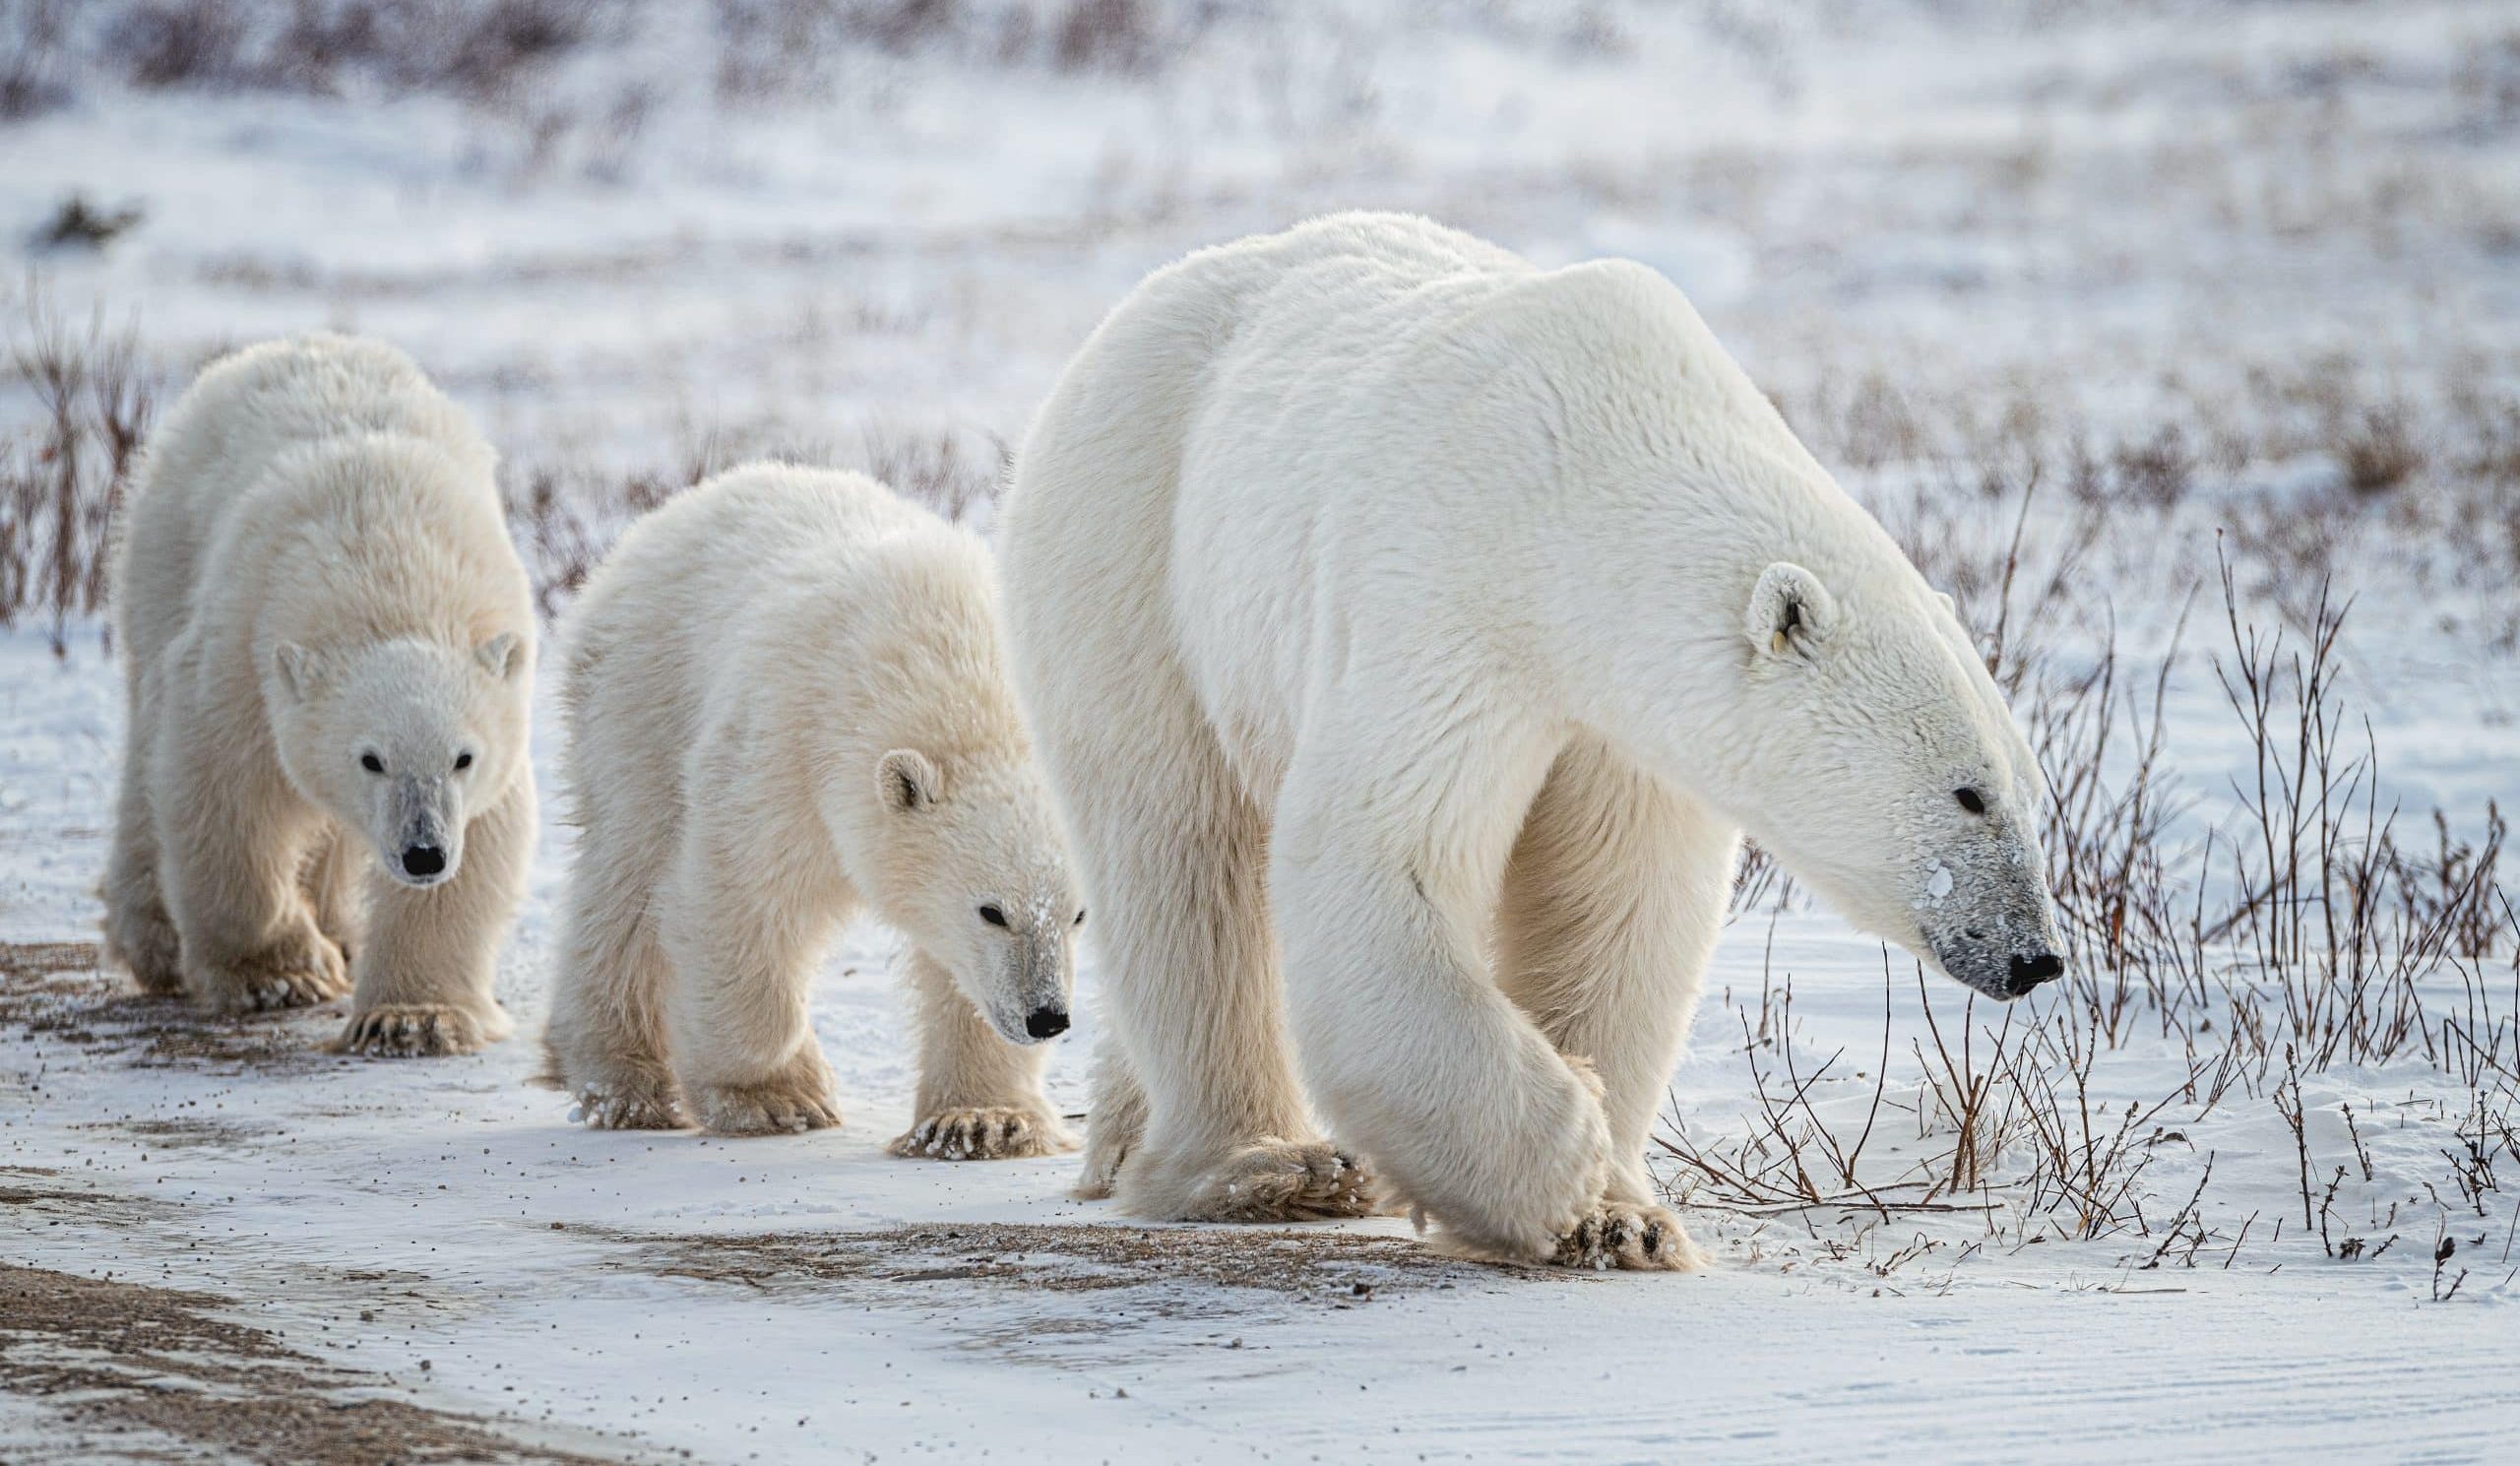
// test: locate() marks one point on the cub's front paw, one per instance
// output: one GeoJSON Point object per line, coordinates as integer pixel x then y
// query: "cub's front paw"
{"type": "Point", "coordinates": [1631, 1236]}
{"type": "Point", "coordinates": [776, 1106]}
{"type": "Point", "coordinates": [418, 1031]}
{"type": "Point", "coordinates": [1275, 1180]}
{"type": "Point", "coordinates": [629, 1104]}
{"type": "Point", "coordinates": [298, 972]}
{"type": "Point", "coordinates": [993, 1133]}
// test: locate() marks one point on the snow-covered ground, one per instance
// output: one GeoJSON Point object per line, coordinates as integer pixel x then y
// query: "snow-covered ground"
{"type": "Point", "coordinates": [2197, 269]}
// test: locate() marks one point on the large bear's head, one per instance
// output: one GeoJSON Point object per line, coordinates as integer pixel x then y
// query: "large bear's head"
{"type": "Point", "coordinates": [404, 740]}
{"type": "Point", "coordinates": [970, 868]}
{"type": "Point", "coordinates": [1876, 761]}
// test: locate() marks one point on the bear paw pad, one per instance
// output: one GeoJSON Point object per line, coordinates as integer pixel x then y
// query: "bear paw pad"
{"type": "Point", "coordinates": [992, 1133]}
{"type": "Point", "coordinates": [1628, 1236]}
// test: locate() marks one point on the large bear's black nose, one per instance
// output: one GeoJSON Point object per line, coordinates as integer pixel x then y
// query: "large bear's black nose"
{"type": "Point", "coordinates": [2030, 972]}
{"type": "Point", "coordinates": [428, 860]}
{"type": "Point", "coordinates": [1045, 1022]}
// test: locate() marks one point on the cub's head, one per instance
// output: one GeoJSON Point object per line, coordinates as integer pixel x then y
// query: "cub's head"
{"type": "Point", "coordinates": [1879, 765]}
{"type": "Point", "coordinates": [972, 868]}
{"type": "Point", "coordinates": [404, 740]}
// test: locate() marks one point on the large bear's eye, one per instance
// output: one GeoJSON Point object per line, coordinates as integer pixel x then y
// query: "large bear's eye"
{"type": "Point", "coordinates": [1971, 800]}
{"type": "Point", "coordinates": [992, 915]}
{"type": "Point", "coordinates": [371, 763]}
{"type": "Point", "coordinates": [1079, 919]}
{"type": "Point", "coordinates": [463, 761]}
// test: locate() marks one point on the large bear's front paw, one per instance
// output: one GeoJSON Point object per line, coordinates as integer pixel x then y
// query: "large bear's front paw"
{"type": "Point", "coordinates": [419, 1031]}
{"type": "Point", "coordinates": [1631, 1236]}
{"type": "Point", "coordinates": [992, 1133]}
{"type": "Point", "coordinates": [298, 972]}
{"type": "Point", "coordinates": [1269, 1180]}
{"type": "Point", "coordinates": [785, 1105]}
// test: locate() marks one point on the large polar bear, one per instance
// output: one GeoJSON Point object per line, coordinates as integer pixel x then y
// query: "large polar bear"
{"type": "Point", "coordinates": [786, 704]}
{"type": "Point", "coordinates": [1457, 613]}
{"type": "Point", "coordinates": [330, 649]}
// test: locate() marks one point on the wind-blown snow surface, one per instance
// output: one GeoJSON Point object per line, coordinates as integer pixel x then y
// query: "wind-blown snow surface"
{"type": "Point", "coordinates": [1948, 237]}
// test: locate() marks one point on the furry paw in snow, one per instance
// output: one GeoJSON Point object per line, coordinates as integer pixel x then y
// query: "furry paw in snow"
{"type": "Point", "coordinates": [298, 972]}
{"type": "Point", "coordinates": [995, 1133]}
{"type": "Point", "coordinates": [1279, 1180]}
{"type": "Point", "coordinates": [1630, 1237]}
{"type": "Point", "coordinates": [414, 1031]}
{"type": "Point", "coordinates": [777, 1107]}
{"type": "Point", "coordinates": [629, 1104]}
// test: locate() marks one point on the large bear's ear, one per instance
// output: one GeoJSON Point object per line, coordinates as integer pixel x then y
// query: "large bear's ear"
{"type": "Point", "coordinates": [501, 655]}
{"type": "Point", "coordinates": [296, 667]}
{"type": "Point", "coordinates": [1790, 612]}
{"type": "Point", "coordinates": [1950, 608]}
{"type": "Point", "coordinates": [905, 780]}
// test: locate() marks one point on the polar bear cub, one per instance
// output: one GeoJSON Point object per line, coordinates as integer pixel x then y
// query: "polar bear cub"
{"type": "Point", "coordinates": [328, 644]}
{"type": "Point", "coordinates": [1435, 621]}
{"type": "Point", "coordinates": [785, 705]}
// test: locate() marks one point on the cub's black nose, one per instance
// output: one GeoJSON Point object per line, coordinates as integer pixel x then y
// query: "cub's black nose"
{"type": "Point", "coordinates": [428, 860]}
{"type": "Point", "coordinates": [1046, 1023]}
{"type": "Point", "coordinates": [2030, 972]}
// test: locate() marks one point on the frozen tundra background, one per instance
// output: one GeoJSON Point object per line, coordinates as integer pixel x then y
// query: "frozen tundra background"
{"type": "Point", "coordinates": [2181, 342]}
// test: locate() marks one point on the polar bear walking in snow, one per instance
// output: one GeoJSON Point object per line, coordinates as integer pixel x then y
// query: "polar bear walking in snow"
{"type": "Point", "coordinates": [330, 645]}
{"type": "Point", "coordinates": [785, 703]}
{"type": "Point", "coordinates": [1396, 612]}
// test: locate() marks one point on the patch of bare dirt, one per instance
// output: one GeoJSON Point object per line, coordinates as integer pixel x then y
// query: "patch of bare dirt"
{"type": "Point", "coordinates": [57, 990]}
{"type": "Point", "coordinates": [1167, 1269]}
{"type": "Point", "coordinates": [34, 1195]}
{"type": "Point", "coordinates": [141, 1373]}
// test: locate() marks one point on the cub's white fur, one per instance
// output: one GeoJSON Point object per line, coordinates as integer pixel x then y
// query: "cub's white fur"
{"type": "Point", "coordinates": [329, 650]}
{"type": "Point", "coordinates": [785, 703]}
{"type": "Point", "coordinates": [1379, 598]}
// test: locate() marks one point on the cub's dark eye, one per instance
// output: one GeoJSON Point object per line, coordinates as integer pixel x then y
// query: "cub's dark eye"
{"type": "Point", "coordinates": [1971, 800]}
{"type": "Point", "coordinates": [463, 761]}
{"type": "Point", "coordinates": [1079, 920]}
{"type": "Point", "coordinates": [371, 763]}
{"type": "Point", "coordinates": [992, 915]}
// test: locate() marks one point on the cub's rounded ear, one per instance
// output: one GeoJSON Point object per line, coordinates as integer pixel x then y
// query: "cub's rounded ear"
{"type": "Point", "coordinates": [905, 780]}
{"type": "Point", "coordinates": [501, 655]}
{"type": "Point", "coordinates": [296, 669]}
{"type": "Point", "coordinates": [1950, 608]}
{"type": "Point", "coordinates": [1790, 612]}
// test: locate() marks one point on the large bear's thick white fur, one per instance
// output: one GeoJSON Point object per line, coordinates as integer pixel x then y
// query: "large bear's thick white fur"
{"type": "Point", "coordinates": [1457, 613]}
{"type": "Point", "coordinates": [785, 703]}
{"type": "Point", "coordinates": [315, 573]}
